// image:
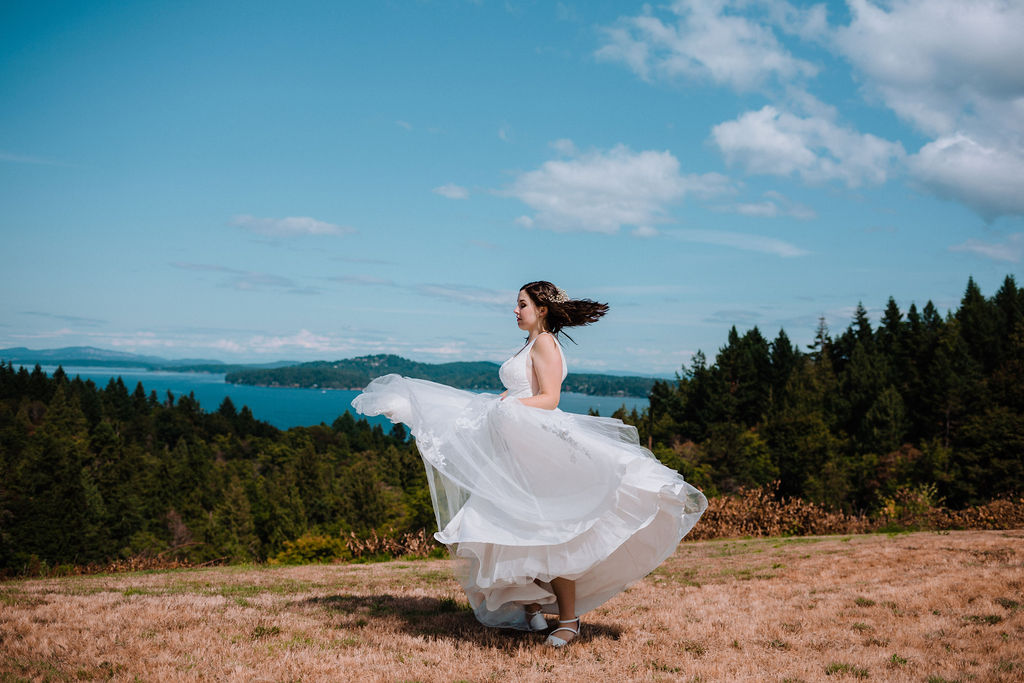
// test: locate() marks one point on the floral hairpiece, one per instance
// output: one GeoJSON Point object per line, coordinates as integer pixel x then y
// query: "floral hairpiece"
{"type": "Point", "coordinates": [560, 297]}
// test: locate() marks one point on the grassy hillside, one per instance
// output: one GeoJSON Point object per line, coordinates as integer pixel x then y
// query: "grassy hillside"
{"type": "Point", "coordinates": [909, 607]}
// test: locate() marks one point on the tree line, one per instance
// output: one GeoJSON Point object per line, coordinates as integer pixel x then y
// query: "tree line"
{"type": "Point", "coordinates": [90, 474]}
{"type": "Point", "coordinates": [921, 400]}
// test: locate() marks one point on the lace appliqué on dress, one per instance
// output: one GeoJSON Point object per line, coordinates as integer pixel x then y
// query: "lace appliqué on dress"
{"type": "Point", "coordinates": [427, 444]}
{"type": "Point", "coordinates": [562, 429]}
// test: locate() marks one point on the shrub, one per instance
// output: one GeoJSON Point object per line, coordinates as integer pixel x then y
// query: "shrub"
{"type": "Point", "coordinates": [311, 548]}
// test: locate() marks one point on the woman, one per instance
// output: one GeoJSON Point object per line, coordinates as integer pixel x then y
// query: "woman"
{"type": "Point", "coordinates": [543, 511]}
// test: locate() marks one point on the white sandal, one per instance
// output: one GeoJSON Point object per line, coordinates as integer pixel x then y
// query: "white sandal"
{"type": "Point", "coordinates": [536, 621]}
{"type": "Point", "coordinates": [555, 641]}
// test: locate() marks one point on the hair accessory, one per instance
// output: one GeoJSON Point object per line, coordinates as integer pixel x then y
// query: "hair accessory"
{"type": "Point", "coordinates": [560, 297]}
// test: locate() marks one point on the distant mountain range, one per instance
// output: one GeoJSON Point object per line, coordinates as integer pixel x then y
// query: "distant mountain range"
{"type": "Point", "coordinates": [92, 356]}
{"type": "Point", "coordinates": [349, 373]}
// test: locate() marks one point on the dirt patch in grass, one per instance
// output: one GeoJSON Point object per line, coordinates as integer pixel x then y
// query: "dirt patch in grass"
{"type": "Point", "coordinates": [909, 607]}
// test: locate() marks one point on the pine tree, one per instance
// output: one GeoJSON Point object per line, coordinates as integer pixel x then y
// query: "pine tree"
{"type": "Point", "coordinates": [978, 327]}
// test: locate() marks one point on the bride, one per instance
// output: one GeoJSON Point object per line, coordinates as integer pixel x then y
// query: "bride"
{"type": "Point", "coordinates": [542, 511]}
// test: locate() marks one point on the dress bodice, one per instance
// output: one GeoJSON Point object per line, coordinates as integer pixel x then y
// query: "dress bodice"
{"type": "Point", "coordinates": [517, 372]}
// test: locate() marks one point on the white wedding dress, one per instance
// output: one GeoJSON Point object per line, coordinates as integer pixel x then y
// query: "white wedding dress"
{"type": "Point", "coordinates": [523, 495]}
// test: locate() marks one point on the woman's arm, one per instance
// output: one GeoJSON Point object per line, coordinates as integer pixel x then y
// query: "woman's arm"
{"type": "Point", "coordinates": [547, 368]}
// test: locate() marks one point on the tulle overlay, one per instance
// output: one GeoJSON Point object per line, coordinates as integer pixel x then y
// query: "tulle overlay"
{"type": "Point", "coordinates": [523, 495]}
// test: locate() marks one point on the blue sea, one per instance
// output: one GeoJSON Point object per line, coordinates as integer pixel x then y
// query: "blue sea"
{"type": "Point", "coordinates": [283, 407]}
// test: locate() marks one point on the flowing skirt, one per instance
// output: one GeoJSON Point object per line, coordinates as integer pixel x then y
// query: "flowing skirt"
{"type": "Point", "coordinates": [523, 495]}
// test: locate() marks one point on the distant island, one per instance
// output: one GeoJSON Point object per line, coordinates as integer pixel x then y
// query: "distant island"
{"type": "Point", "coordinates": [350, 373]}
{"type": "Point", "coordinates": [356, 373]}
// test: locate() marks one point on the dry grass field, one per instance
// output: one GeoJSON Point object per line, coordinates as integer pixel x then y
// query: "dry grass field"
{"type": "Point", "coordinates": [946, 606]}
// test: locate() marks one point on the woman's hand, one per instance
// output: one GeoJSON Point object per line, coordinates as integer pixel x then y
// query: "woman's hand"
{"type": "Point", "coordinates": [547, 368]}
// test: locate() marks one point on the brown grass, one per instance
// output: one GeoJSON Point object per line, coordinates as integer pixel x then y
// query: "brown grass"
{"type": "Point", "coordinates": [907, 607]}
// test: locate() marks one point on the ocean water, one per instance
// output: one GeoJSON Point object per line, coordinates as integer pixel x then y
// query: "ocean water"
{"type": "Point", "coordinates": [283, 407]}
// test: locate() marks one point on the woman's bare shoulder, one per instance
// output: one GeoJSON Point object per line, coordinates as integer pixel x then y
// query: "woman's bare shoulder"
{"type": "Point", "coordinates": [545, 345]}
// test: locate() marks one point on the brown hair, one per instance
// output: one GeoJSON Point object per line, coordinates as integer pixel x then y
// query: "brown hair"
{"type": "Point", "coordinates": [563, 311]}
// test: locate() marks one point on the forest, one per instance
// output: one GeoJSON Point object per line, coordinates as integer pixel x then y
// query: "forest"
{"type": "Point", "coordinates": [922, 402]}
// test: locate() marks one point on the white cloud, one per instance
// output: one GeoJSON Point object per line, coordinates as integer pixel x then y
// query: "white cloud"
{"type": "Point", "coordinates": [1012, 250]}
{"type": "Point", "coordinates": [739, 240]}
{"type": "Point", "coordinates": [404, 124]}
{"type": "Point", "coordinates": [953, 70]}
{"type": "Point", "coordinates": [769, 141]}
{"type": "Point", "coordinates": [708, 41]}
{"type": "Point", "coordinates": [988, 179]}
{"type": "Point", "coordinates": [602, 191]}
{"type": "Point", "coordinates": [935, 61]}
{"type": "Point", "coordinates": [291, 226]}
{"type": "Point", "coordinates": [452, 191]}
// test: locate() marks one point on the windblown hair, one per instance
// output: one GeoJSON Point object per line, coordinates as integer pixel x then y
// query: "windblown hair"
{"type": "Point", "coordinates": [568, 313]}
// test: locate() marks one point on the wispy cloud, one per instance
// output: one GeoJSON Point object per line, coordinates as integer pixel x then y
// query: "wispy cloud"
{"type": "Point", "coordinates": [643, 290]}
{"type": "Point", "coordinates": [450, 292]}
{"type": "Point", "coordinates": [602, 191]}
{"type": "Point", "coordinates": [467, 294]}
{"type": "Point", "coordinates": [292, 226]}
{"type": "Point", "coordinates": [734, 317]}
{"type": "Point", "coordinates": [247, 280]}
{"type": "Point", "coordinates": [739, 240]}
{"type": "Point", "coordinates": [451, 191]}
{"type": "Point", "coordinates": [74, 319]}
{"type": "Point", "coordinates": [772, 205]}
{"type": "Point", "coordinates": [201, 267]}
{"type": "Point", "coordinates": [405, 125]}
{"type": "Point", "coordinates": [453, 349]}
{"type": "Point", "coordinates": [25, 159]}
{"type": "Point", "coordinates": [565, 147]}
{"type": "Point", "coordinates": [362, 280]}
{"type": "Point", "coordinates": [1011, 250]}
{"type": "Point", "coordinates": [371, 261]}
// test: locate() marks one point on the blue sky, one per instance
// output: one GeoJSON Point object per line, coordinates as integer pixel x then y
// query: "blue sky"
{"type": "Point", "coordinates": [261, 181]}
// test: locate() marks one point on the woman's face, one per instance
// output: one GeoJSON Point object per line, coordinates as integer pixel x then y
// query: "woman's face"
{"type": "Point", "coordinates": [528, 315]}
